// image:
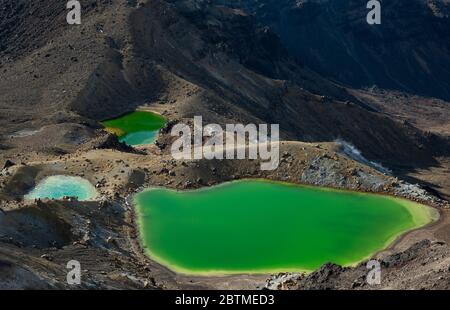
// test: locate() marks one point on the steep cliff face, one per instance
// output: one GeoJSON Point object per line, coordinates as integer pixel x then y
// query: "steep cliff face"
{"type": "Point", "coordinates": [409, 51]}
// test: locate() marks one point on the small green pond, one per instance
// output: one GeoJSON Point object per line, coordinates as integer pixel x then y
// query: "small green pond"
{"type": "Point", "coordinates": [257, 226]}
{"type": "Point", "coordinates": [136, 128]}
{"type": "Point", "coordinates": [60, 186]}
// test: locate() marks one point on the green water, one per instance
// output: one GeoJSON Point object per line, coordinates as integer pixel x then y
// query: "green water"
{"type": "Point", "coordinates": [258, 226]}
{"type": "Point", "coordinates": [60, 186]}
{"type": "Point", "coordinates": [136, 128]}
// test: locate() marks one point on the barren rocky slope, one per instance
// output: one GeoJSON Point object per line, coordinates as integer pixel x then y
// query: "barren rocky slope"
{"type": "Point", "coordinates": [210, 60]}
{"type": "Point", "coordinates": [37, 239]}
{"type": "Point", "coordinates": [408, 51]}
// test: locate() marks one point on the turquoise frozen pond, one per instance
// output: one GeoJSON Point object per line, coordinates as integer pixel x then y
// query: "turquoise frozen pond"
{"type": "Point", "coordinates": [60, 186]}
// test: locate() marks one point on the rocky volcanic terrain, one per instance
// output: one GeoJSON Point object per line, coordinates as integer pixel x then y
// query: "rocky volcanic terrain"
{"type": "Point", "coordinates": [248, 62]}
{"type": "Point", "coordinates": [408, 51]}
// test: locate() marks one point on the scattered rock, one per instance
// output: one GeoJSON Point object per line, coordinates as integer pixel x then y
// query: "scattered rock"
{"type": "Point", "coordinates": [47, 257]}
{"type": "Point", "coordinates": [8, 163]}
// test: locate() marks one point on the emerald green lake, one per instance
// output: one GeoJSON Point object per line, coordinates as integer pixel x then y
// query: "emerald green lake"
{"type": "Point", "coordinates": [136, 128]}
{"type": "Point", "coordinates": [256, 226]}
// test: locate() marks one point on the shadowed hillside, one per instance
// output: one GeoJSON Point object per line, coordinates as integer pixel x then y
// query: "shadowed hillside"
{"type": "Point", "coordinates": [409, 51]}
{"type": "Point", "coordinates": [192, 57]}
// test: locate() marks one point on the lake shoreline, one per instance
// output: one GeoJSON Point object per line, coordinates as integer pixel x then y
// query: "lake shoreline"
{"type": "Point", "coordinates": [433, 218]}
